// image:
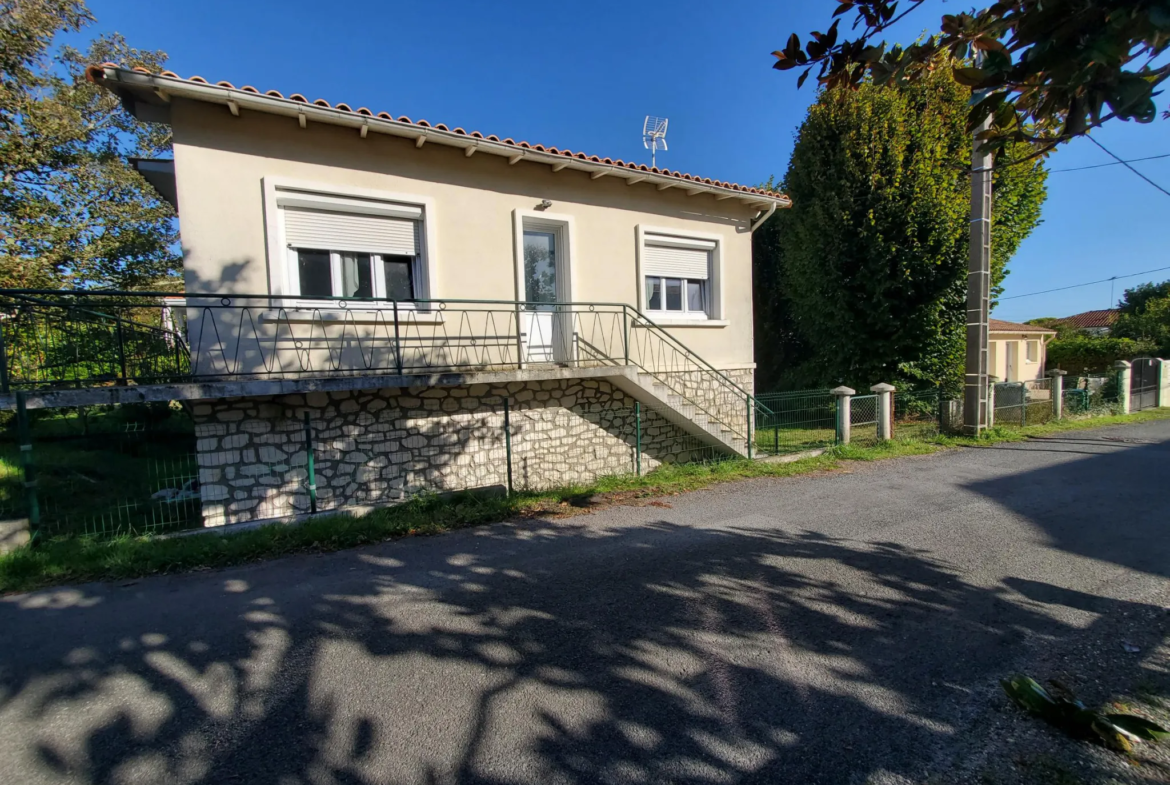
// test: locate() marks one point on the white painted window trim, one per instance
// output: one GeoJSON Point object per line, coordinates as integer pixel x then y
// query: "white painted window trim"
{"type": "Point", "coordinates": [1028, 342]}
{"type": "Point", "coordinates": [565, 228]}
{"type": "Point", "coordinates": [306, 193]}
{"type": "Point", "coordinates": [717, 315]}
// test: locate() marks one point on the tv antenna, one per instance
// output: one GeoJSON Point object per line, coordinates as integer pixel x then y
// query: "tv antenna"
{"type": "Point", "coordinates": [654, 136]}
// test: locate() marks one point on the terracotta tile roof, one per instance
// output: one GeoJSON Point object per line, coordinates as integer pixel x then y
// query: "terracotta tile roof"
{"type": "Point", "coordinates": [96, 74]}
{"type": "Point", "coordinates": [1092, 319]}
{"type": "Point", "coordinates": [1000, 326]}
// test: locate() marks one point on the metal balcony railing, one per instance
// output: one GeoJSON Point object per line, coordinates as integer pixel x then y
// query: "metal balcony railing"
{"type": "Point", "coordinates": [78, 339]}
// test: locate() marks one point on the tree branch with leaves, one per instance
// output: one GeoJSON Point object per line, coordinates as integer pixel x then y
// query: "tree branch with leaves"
{"type": "Point", "coordinates": [1051, 70]}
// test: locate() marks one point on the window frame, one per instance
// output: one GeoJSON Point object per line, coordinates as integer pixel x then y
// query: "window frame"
{"type": "Point", "coordinates": [1029, 344]}
{"type": "Point", "coordinates": [715, 313]}
{"type": "Point", "coordinates": [685, 312]}
{"type": "Point", "coordinates": [283, 275]}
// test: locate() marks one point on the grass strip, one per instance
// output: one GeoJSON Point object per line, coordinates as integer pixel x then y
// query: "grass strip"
{"type": "Point", "coordinates": [82, 559]}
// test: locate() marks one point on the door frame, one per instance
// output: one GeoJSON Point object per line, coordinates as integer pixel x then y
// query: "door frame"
{"type": "Point", "coordinates": [563, 227]}
{"type": "Point", "coordinates": [1012, 366]}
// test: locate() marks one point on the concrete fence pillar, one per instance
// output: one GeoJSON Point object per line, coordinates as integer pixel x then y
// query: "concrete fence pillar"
{"type": "Point", "coordinates": [991, 401]}
{"type": "Point", "coordinates": [844, 416]}
{"type": "Point", "coordinates": [885, 410]}
{"type": "Point", "coordinates": [1123, 371]}
{"type": "Point", "coordinates": [1057, 392]}
{"type": "Point", "coordinates": [1163, 382]}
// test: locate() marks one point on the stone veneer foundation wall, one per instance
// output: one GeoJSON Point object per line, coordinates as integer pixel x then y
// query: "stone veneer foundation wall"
{"type": "Point", "coordinates": [717, 399]}
{"type": "Point", "coordinates": [384, 446]}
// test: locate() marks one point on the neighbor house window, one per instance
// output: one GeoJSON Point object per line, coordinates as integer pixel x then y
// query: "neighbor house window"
{"type": "Point", "coordinates": [350, 248]}
{"type": "Point", "coordinates": [1032, 351]}
{"type": "Point", "coordinates": [677, 276]}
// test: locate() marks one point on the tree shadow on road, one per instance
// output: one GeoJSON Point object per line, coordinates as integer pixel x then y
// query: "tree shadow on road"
{"type": "Point", "coordinates": [484, 657]}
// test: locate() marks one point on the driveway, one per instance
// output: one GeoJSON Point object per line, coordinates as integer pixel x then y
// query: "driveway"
{"type": "Point", "coordinates": [840, 628]}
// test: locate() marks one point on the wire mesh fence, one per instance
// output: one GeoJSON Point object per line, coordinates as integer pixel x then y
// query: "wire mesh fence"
{"type": "Point", "coordinates": [917, 414]}
{"type": "Point", "coordinates": [1092, 395]}
{"type": "Point", "coordinates": [1019, 404]}
{"type": "Point", "coordinates": [142, 469]}
{"type": "Point", "coordinates": [790, 422]}
{"type": "Point", "coordinates": [863, 418]}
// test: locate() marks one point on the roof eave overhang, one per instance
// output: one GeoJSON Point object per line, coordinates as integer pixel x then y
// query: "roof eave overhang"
{"type": "Point", "coordinates": [144, 95]}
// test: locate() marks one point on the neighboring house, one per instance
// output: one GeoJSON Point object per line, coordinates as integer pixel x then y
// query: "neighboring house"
{"type": "Point", "coordinates": [1017, 352]}
{"type": "Point", "coordinates": [1093, 322]}
{"type": "Point", "coordinates": [324, 242]}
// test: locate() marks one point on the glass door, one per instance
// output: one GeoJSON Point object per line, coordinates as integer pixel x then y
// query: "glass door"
{"type": "Point", "coordinates": [540, 323]}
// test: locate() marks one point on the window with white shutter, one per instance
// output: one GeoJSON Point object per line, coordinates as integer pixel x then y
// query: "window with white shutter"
{"type": "Point", "coordinates": [677, 274]}
{"type": "Point", "coordinates": [352, 248]}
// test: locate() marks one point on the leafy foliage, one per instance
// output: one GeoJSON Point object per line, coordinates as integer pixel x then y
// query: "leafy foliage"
{"type": "Point", "coordinates": [1051, 69]}
{"type": "Point", "coordinates": [1063, 710]}
{"type": "Point", "coordinates": [1145, 316]}
{"type": "Point", "coordinates": [73, 212]}
{"type": "Point", "coordinates": [864, 278]}
{"type": "Point", "coordinates": [1094, 354]}
{"type": "Point", "coordinates": [1061, 326]}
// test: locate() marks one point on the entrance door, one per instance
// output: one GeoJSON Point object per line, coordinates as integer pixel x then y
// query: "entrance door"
{"type": "Point", "coordinates": [1013, 360]}
{"type": "Point", "coordinates": [539, 324]}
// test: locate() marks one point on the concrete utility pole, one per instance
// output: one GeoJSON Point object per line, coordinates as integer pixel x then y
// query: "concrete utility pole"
{"type": "Point", "coordinates": [978, 288]}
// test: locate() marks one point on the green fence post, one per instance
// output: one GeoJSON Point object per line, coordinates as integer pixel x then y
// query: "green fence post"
{"type": "Point", "coordinates": [24, 433]}
{"type": "Point", "coordinates": [638, 438]}
{"type": "Point", "coordinates": [508, 442]}
{"type": "Point", "coordinates": [776, 438]}
{"type": "Point", "coordinates": [310, 467]}
{"type": "Point", "coordinates": [748, 401]}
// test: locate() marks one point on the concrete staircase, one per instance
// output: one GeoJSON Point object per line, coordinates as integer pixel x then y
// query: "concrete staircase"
{"type": "Point", "coordinates": [645, 388]}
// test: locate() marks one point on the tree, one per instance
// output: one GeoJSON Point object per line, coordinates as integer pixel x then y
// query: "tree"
{"type": "Point", "coordinates": [869, 265]}
{"type": "Point", "coordinates": [73, 211]}
{"type": "Point", "coordinates": [1061, 326]}
{"type": "Point", "coordinates": [1145, 316]}
{"type": "Point", "coordinates": [1052, 69]}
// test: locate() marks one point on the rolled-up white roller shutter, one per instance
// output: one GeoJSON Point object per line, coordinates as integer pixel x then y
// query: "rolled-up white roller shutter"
{"type": "Point", "coordinates": [332, 231]}
{"type": "Point", "coordinates": [677, 258]}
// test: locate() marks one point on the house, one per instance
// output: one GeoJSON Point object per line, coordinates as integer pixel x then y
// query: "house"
{"type": "Point", "coordinates": [1017, 352]}
{"type": "Point", "coordinates": [409, 286]}
{"type": "Point", "coordinates": [1093, 322]}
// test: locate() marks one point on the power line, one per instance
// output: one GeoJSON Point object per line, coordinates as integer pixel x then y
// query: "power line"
{"type": "Point", "coordinates": [1090, 283]}
{"type": "Point", "coordinates": [1127, 166]}
{"type": "Point", "coordinates": [1112, 163]}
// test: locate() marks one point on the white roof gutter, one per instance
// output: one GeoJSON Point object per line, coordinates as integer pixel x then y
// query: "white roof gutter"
{"type": "Point", "coordinates": [163, 88]}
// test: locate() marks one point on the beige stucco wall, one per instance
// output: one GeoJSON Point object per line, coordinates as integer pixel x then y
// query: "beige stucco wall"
{"type": "Point", "coordinates": [221, 162]}
{"type": "Point", "coordinates": [1024, 371]}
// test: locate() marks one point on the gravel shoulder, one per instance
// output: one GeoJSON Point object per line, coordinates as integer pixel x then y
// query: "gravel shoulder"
{"type": "Point", "coordinates": [841, 628]}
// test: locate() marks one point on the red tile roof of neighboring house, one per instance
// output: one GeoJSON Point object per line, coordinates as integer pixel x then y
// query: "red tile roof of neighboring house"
{"type": "Point", "coordinates": [1092, 319]}
{"type": "Point", "coordinates": [98, 75]}
{"type": "Point", "coordinates": [1000, 326]}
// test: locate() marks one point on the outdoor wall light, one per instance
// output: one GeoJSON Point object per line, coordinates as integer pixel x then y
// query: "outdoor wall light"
{"type": "Point", "coordinates": [544, 205]}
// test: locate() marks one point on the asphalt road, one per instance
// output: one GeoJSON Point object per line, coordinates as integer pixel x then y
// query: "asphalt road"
{"type": "Point", "coordinates": [841, 628]}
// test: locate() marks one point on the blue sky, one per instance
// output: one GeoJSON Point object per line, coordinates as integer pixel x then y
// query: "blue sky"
{"type": "Point", "coordinates": [583, 74]}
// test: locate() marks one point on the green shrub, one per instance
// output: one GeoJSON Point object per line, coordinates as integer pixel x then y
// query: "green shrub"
{"type": "Point", "coordinates": [1093, 354]}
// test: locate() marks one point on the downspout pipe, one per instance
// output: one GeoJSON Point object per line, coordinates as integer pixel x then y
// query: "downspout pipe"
{"type": "Point", "coordinates": [760, 221]}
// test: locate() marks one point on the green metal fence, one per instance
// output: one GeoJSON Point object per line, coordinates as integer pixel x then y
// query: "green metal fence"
{"type": "Point", "coordinates": [149, 469]}
{"type": "Point", "coordinates": [790, 422]}
{"type": "Point", "coordinates": [918, 414]}
{"type": "Point", "coordinates": [1019, 404]}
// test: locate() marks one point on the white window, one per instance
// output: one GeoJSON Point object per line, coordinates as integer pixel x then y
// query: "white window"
{"type": "Point", "coordinates": [677, 276]}
{"type": "Point", "coordinates": [341, 247]}
{"type": "Point", "coordinates": [1032, 351]}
